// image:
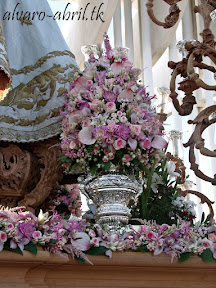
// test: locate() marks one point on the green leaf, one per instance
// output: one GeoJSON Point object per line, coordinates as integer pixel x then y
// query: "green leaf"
{"type": "Point", "coordinates": [64, 158]}
{"type": "Point", "coordinates": [7, 247]}
{"type": "Point", "coordinates": [185, 256]}
{"type": "Point", "coordinates": [208, 218]}
{"type": "Point", "coordinates": [93, 168]}
{"type": "Point", "coordinates": [80, 259]}
{"type": "Point", "coordinates": [136, 162]}
{"type": "Point", "coordinates": [143, 249]}
{"type": "Point", "coordinates": [96, 250]}
{"type": "Point", "coordinates": [106, 165]}
{"type": "Point", "coordinates": [73, 167]}
{"type": "Point", "coordinates": [207, 256]}
{"type": "Point", "coordinates": [50, 242]}
{"type": "Point", "coordinates": [31, 247]}
{"type": "Point", "coordinates": [89, 148]}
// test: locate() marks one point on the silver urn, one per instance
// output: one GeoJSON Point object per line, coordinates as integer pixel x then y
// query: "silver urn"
{"type": "Point", "coordinates": [111, 194]}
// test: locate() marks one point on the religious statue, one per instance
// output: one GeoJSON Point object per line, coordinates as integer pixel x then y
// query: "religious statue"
{"type": "Point", "coordinates": [41, 68]}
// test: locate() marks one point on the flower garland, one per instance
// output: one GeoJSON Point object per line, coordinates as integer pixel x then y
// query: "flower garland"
{"type": "Point", "coordinates": [24, 231]}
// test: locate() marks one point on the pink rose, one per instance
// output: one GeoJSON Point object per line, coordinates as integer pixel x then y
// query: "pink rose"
{"type": "Point", "coordinates": [206, 243]}
{"type": "Point", "coordinates": [212, 237]}
{"type": "Point", "coordinates": [127, 158]}
{"type": "Point", "coordinates": [72, 145]}
{"type": "Point", "coordinates": [119, 144]}
{"type": "Point", "coordinates": [94, 105]}
{"type": "Point", "coordinates": [146, 144]}
{"type": "Point", "coordinates": [136, 129]}
{"type": "Point", "coordinates": [110, 107]}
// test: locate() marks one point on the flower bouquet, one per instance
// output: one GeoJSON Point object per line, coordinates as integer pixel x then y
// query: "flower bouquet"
{"type": "Point", "coordinates": [108, 122]}
{"type": "Point", "coordinates": [110, 127]}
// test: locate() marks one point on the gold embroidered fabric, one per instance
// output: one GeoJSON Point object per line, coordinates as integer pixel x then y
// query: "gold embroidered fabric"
{"type": "Point", "coordinates": [42, 68]}
{"type": "Point", "coordinates": [40, 118]}
{"type": "Point", "coordinates": [5, 79]}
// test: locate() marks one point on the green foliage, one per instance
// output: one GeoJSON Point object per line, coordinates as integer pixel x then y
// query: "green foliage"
{"type": "Point", "coordinates": [31, 247]}
{"type": "Point", "coordinates": [96, 250]}
{"type": "Point", "coordinates": [93, 168]}
{"type": "Point", "coordinates": [52, 241]}
{"type": "Point", "coordinates": [7, 247]}
{"type": "Point", "coordinates": [142, 249]}
{"type": "Point", "coordinates": [207, 256]}
{"type": "Point", "coordinates": [185, 256]}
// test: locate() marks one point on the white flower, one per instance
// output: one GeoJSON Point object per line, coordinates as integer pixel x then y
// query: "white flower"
{"type": "Point", "coordinates": [156, 180]}
{"type": "Point", "coordinates": [42, 217]}
{"type": "Point", "coordinates": [170, 167]}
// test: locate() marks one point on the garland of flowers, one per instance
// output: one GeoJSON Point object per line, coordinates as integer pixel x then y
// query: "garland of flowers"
{"type": "Point", "coordinates": [21, 230]}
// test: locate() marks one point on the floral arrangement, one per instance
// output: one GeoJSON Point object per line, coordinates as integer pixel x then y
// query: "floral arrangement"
{"type": "Point", "coordinates": [67, 201]}
{"type": "Point", "coordinates": [160, 200]}
{"type": "Point", "coordinates": [24, 231]}
{"type": "Point", "coordinates": [108, 121]}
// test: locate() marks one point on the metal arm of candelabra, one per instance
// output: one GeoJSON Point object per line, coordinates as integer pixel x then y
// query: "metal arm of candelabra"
{"type": "Point", "coordinates": [171, 19]}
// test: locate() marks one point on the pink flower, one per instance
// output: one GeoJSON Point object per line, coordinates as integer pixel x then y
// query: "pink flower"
{"type": "Point", "coordinates": [95, 241]}
{"type": "Point", "coordinates": [151, 236]}
{"type": "Point", "coordinates": [36, 234]}
{"type": "Point", "coordinates": [26, 229]}
{"type": "Point", "coordinates": [85, 136]}
{"type": "Point", "coordinates": [72, 145]}
{"type": "Point", "coordinates": [132, 143]}
{"type": "Point", "coordinates": [127, 158]}
{"type": "Point", "coordinates": [123, 119]}
{"type": "Point", "coordinates": [3, 236]}
{"type": "Point", "coordinates": [80, 84]}
{"type": "Point", "coordinates": [104, 62]}
{"type": "Point", "coordinates": [94, 105]}
{"type": "Point", "coordinates": [81, 241]}
{"type": "Point", "coordinates": [212, 237]}
{"type": "Point", "coordinates": [110, 107]}
{"type": "Point", "coordinates": [86, 123]}
{"type": "Point", "coordinates": [146, 144]}
{"type": "Point", "coordinates": [136, 129]}
{"type": "Point", "coordinates": [159, 142]}
{"type": "Point", "coordinates": [206, 243]}
{"type": "Point", "coordinates": [119, 144]}
{"type": "Point", "coordinates": [117, 89]}
{"type": "Point", "coordinates": [125, 96]}
{"type": "Point", "coordinates": [10, 226]}
{"type": "Point", "coordinates": [117, 67]}
{"type": "Point", "coordinates": [76, 117]}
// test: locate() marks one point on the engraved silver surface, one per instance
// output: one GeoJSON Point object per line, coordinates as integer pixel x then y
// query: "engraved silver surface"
{"type": "Point", "coordinates": [111, 194]}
